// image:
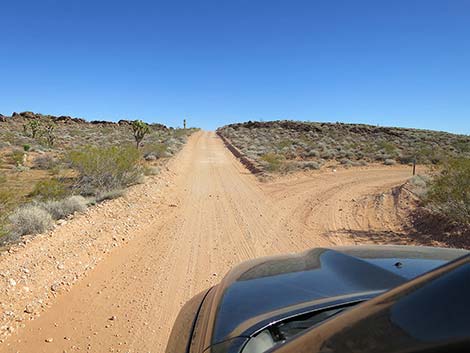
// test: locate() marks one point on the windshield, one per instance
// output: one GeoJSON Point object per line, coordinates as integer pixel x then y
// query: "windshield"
{"type": "Point", "coordinates": [282, 331]}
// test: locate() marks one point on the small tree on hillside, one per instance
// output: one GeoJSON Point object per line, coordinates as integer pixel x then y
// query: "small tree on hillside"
{"type": "Point", "coordinates": [48, 132]}
{"type": "Point", "coordinates": [32, 128]}
{"type": "Point", "coordinates": [140, 129]}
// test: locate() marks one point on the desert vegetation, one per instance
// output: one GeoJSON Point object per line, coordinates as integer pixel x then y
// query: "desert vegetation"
{"type": "Point", "coordinates": [52, 167]}
{"type": "Point", "coordinates": [282, 146]}
{"type": "Point", "coordinates": [446, 192]}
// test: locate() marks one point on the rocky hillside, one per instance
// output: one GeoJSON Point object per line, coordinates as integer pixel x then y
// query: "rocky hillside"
{"type": "Point", "coordinates": [288, 145]}
{"type": "Point", "coordinates": [55, 161]}
{"type": "Point", "coordinates": [69, 132]}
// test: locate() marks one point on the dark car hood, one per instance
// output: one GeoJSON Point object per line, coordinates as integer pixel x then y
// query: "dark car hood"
{"type": "Point", "coordinates": [258, 290]}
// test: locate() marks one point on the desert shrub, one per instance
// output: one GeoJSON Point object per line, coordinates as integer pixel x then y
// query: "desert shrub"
{"type": "Point", "coordinates": [181, 132]}
{"type": "Point", "coordinates": [312, 153]}
{"type": "Point", "coordinates": [29, 219]}
{"type": "Point", "coordinates": [388, 147]}
{"type": "Point", "coordinates": [158, 150]}
{"type": "Point", "coordinates": [151, 170]}
{"type": "Point", "coordinates": [311, 165]}
{"type": "Point", "coordinates": [462, 146]}
{"type": "Point", "coordinates": [389, 161]}
{"type": "Point", "coordinates": [284, 144]}
{"type": "Point", "coordinates": [328, 154]}
{"type": "Point", "coordinates": [50, 189]}
{"type": "Point", "coordinates": [360, 163]}
{"type": "Point", "coordinates": [45, 162]}
{"type": "Point", "coordinates": [17, 157]}
{"type": "Point", "coordinates": [406, 159]}
{"type": "Point", "coordinates": [26, 147]}
{"type": "Point", "coordinates": [419, 181]}
{"type": "Point", "coordinates": [62, 208]}
{"type": "Point", "coordinates": [105, 169]}
{"type": "Point", "coordinates": [449, 191]}
{"type": "Point", "coordinates": [419, 185]}
{"type": "Point", "coordinates": [109, 195]}
{"type": "Point", "coordinates": [272, 161]}
{"type": "Point", "coordinates": [8, 199]}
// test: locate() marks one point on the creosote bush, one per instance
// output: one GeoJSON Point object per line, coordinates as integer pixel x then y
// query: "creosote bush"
{"type": "Point", "coordinates": [449, 191]}
{"type": "Point", "coordinates": [50, 189]}
{"type": "Point", "coordinates": [102, 169]}
{"type": "Point", "coordinates": [272, 161]}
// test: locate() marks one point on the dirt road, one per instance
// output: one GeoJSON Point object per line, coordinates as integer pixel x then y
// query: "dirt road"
{"type": "Point", "coordinates": [213, 214]}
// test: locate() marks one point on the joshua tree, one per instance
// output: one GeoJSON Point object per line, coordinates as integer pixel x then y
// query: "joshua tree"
{"type": "Point", "coordinates": [49, 134]}
{"type": "Point", "coordinates": [140, 129]}
{"type": "Point", "coordinates": [32, 128]}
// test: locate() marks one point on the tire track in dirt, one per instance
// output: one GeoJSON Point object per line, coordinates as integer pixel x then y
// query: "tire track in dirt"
{"type": "Point", "coordinates": [219, 215]}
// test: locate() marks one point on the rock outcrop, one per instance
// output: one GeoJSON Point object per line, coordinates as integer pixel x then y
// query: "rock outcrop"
{"type": "Point", "coordinates": [65, 119]}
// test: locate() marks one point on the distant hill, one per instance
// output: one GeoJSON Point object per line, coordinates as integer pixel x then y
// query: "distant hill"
{"type": "Point", "coordinates": [288, 145]}
{"type": "Point", "coordinates": [70, 132]}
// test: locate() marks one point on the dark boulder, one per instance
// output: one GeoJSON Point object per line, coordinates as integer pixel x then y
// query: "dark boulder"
{"type": "Point", "coordinates": [157, 126]}
{"type": "Point", "coordinates": [102, 122]}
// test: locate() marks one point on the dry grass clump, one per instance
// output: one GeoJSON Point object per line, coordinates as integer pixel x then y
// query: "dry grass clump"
{"type": "Point", "coordinates": [109, 195]}
{"type": "Point", "coordinates": [63, 208]}
{"type": "Point", "coordinates": [45, 162]}
{"type": "Point", "coordinates": [346, 144]}
{"type": "Point", "coordinates": [29, 219]}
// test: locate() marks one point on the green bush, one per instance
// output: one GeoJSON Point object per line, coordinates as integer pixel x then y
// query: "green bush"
{"type": "Point", "coordinates": [106, 168]}
{"type": "Point", "coordinates": [449, 191]}
{"type": "Point", "coordinates": [272, 161]}
{"type": "Point", "coordinates": [50, 189]}
{"type": "Point", "coordinates": [7, 200]}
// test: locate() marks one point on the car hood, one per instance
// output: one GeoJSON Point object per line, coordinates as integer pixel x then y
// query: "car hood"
{"type": "Point", "coordinates": [258, 290]}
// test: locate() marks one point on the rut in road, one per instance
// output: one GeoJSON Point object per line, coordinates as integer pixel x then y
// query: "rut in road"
{"type": "Point", "coordinates": [217, 215]}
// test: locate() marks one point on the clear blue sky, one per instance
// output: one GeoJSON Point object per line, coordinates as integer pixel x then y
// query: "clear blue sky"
{"type": "Point", "coordinates": [398, 62]}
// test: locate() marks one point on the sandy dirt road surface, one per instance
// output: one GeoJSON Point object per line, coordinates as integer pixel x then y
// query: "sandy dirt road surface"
{"type": "Point", "coordinates": [213, 215]}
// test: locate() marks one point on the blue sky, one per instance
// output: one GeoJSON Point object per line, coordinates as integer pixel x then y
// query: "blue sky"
{"type": "Point", "coordinates": [396, 63]}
